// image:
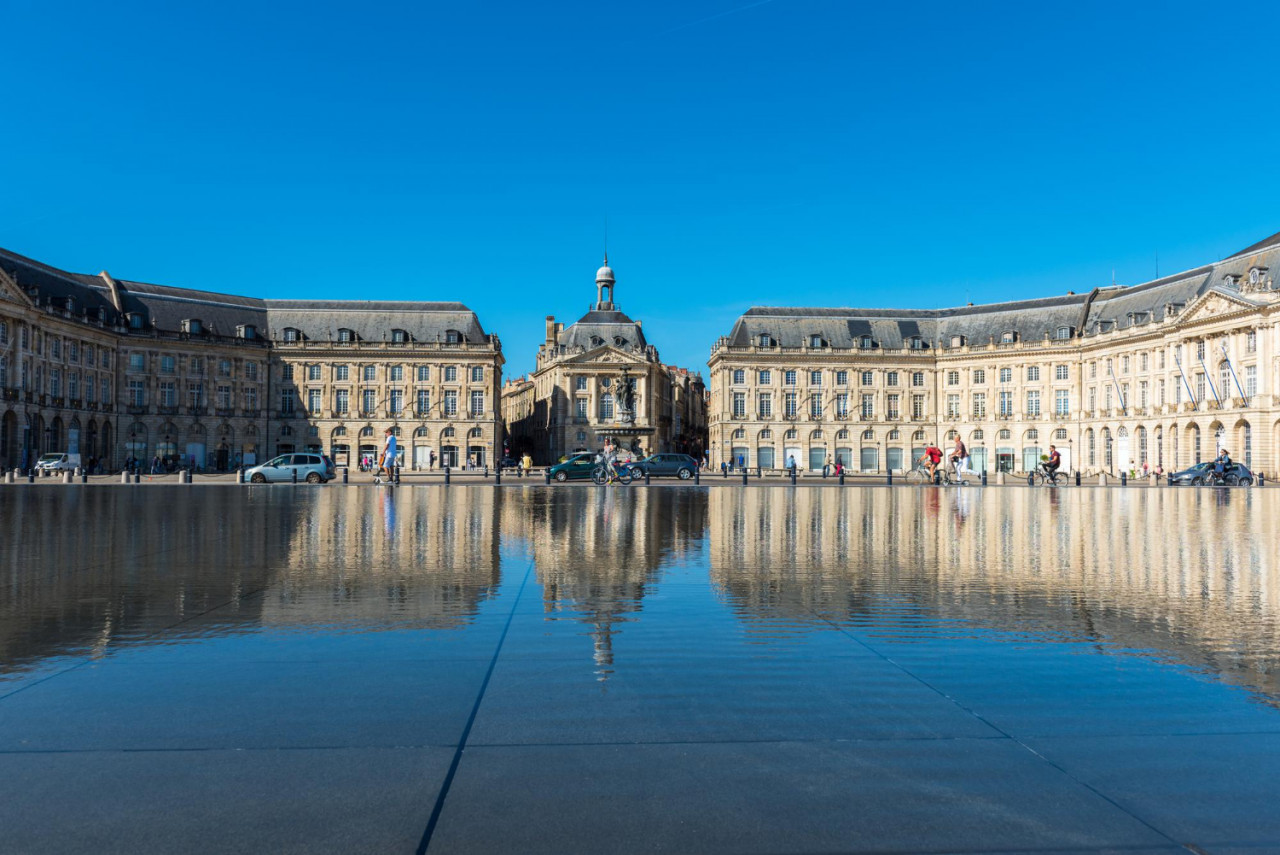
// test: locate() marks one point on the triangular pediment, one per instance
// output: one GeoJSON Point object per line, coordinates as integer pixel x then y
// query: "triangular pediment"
{"type": "Point", "coordinates": [11, 293]}
{"type": "Point", "coordinates": [606, 354]}
{"type": "Point", "coordinates": [1212, 303]}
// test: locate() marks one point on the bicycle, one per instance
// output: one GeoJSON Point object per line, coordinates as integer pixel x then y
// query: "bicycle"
{"type": "Point", "coordinates": [600, 474]}
{"type": "Point", "coordinates": [947, 476]}
{"type": "Point", "coordinates": [1044, 475]}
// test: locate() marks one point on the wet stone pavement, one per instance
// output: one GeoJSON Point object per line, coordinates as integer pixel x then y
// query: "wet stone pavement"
{"type": "Point", "coordinates": [526, 669]}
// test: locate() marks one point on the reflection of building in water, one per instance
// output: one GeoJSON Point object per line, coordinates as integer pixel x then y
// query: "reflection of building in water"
{"type": "Point", "coordinates": [390, 558]}
{"type": "Point", "coordinates": [169, 563]}
{"type": "Point", "coordinates": [598, 552]}
{"type": "Point", "coordinates": [1182, 573]}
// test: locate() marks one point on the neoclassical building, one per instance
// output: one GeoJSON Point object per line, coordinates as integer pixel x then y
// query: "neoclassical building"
{"type": "Point", "coordinates": [571, 395]}
{"type": "Point", "coordinates": [1164, 372]}
{"type": "Point", "coordinates": [114, 369]}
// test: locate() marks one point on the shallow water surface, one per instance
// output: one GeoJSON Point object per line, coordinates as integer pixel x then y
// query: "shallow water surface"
{"type": "Point", "coordinates": [630, 669]}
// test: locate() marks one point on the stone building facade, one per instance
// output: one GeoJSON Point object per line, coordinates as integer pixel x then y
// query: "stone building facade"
{"type": "Point", "coordinates": [116, 369]}
{"type": "Point", "coordinates": [1165, 373]}
{"type": "Point", "coordinates": [570, 395]}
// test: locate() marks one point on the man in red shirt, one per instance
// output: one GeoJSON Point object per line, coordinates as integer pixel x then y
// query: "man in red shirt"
{"type": "Point", "coordinates": [932, 457]}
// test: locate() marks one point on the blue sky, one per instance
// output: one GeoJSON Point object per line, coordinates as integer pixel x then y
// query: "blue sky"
{"type": "Point", "coordinates": [792, 152]}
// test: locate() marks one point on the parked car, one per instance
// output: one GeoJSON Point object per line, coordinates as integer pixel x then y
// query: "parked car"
{"type": "Point", "coordinates": [680, 466]}
{"type": "Point", "coordinates": [575, 468]}
{"type": "Point", "coordinates": [55, 462]}
{"type": "Point", "coordinates": [1237, 473]}
{"type": "Point", "coordinates": [508, 463]}
{"type": "Point", "coordinates": [312, 468]}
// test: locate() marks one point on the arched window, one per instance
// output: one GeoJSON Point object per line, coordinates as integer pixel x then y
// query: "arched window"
{"type": "Point", "coordinates": [1005, 434]}
{"type": "Point", "coordinates": [739, 433]}
{"type": "Point", "coordinates": [918, 435]}
{"type": "Point", "coordinates": [1008, 337]}
{"type": "Point", "coordinates": [346, 336]}
{"type": "Point", "coordinates": [475, 433]}
{"type": "Point", "coordinates": [765, 340]}
{"type": "Point", "coordinates": [399, 336]}
{"type": "Point", "coordinates": [596, 341]}
{"type": "Point", "coordinates": [842, 434]}
{"type": "Point", "coordinates": [339, 431]}
{"type": "Point", "coordinates": [766, 434]}
{"type": "Point", "coordinates": [895, 434]}
{"type": "Point", "coordinates": [420, 433]}
{"type": "Point", "coordinates": [791, 434]}
{"type": "Point", "coordinates": [452, 337]}
{"type": "Point", "coordinates": [977, 436]}
{"type": "Point", "coordinates": [1060, 433]}
{"type": "Point", "coordinates": [1062, 333]}
{"type": "Point", "coordinates": [366, 431]}
{"type": "Point", "coordinates": [619, 341]}
{"type": "Point", "coordinates": [292, 334]}
{"type": "Point", "coordinates": [868, 435]}
{"type": "Point", "coordinates": [447, 432]}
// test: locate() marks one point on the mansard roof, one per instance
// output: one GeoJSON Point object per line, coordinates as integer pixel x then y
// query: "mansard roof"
{"type": "Point", "coordinates": [606, 325]}
{"type": "Point", "coordinates": [165, 307]}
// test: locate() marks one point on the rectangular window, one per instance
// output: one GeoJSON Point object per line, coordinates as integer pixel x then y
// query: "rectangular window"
{"type": "Point", "coordinates": [424, 373]}
{"type": "Point", "coordinates": [739, 405]}
{"type": "Point", "coordinates": [953, 406]}
{"type": "Point", "coordinates": [251, 371]}
{"type": "Point", "coordinates": [168, 394]}
{"type": "Point", "coordinates": [815, 406]}
{"type": "Point", "coordinates": [423, 402]}
{"type": "Point", "coordinates": [815, 378]}
{"type": "Point", "coordinates": [1142, 361]}
{"type": "Point", "coordinates": [106, 391]}
{"type": "Point", "coordinates": [867, 378]}
{"type": "Point", "coordinates": [979, 377]}
{"type": "Point", "coordinates": [739, 376]}
{"type": "Point", "coordinates": [195, 396]}
{"type": "Point", "coordinates": [1250, 380]}
{"type": "Point", "coordinates": [251, 399]}
{"type": "Point", "coordinates": [1006, 375]}
{"type": "Point", "coordinates": [1062, 402]}
{"type": "Point", "coordinates": [451, 403]}
{"type": "Point", "coordinates": [55, 383]}
{"type": "Point", "coordinates": [287, 397]}
{"type": "Point", "coordinates": [451, 374]}
{"type": "Point", "coordinates": [842, 378]}
{"type": "Point", "coordinates": [953, 378]}
{"type": "Point", "coordinates": [580, 384]}
{"type": "Point", "coordinates": [1251, 342]}
{"type": "Point", "coordinates": [917, 379]}
{"type": "Point", "coordinates": [90, 393]}
{"type": "Point", "coordinates": [606, 407]}
{"type": "Point", "coordinates": [397, 374]}
{"type": "Point", "coordinates": [368, 400]}
{"type": "Point", "coordinates": [342, 373]}
{"type": "Point", "coordinates": [313, 401]}
{"type": "Point", "coordinates": [137, 393]}
{"type": "Point", "coordinates": [764, 406]}
{"type": "Point", "coordinates": [582, 408]}
{"type": "Point", "coordinates": [1006, 404]}
{"type": "Point", "coordinates": [1124, 364]}
{"type": "Point", "coordinates": [766, 377]}
{"type": "Point", "coordinates": [286, 370]}
{"type": "Point", "coordinates": [1060, 373]}
{"type": "Point", "coordinates": [1142, 393]}
{"type": "Point", "coordinates": [73, 351]}
{"type": "Point", "coordinates": [917, 407]}
{"type": "Point", "coordinates": [979, 405]}
{"type": "Point", "coordinates": [341, 400]}
{"type": "Point", "coordinates": [313, 372]}
{"type": "Point", "coordinates": [891, 378]}
{"type": "Point", "coordinates": [789, 378]}
{"type": "Point", "coordinates": [397, 401]}
{"type": "Point", "coordinates": [842, 405]}
{"type": "Point", "coordinates": [477, 374]}
{"type": "Point", "coordinates": [1200, 387]}
{"type": "Point", "coordinates": [369, 373]}
{"type": "Point", "coordinates": [789, 405]}
{"type": "Point", "coordinates": [224, 397]}
{"type": "Point", "coordinates": [1160, 399]}
{"type": "Point", "coordinates": [137, 362]}
{"type": "Point", "coordinates": [1033, 373]}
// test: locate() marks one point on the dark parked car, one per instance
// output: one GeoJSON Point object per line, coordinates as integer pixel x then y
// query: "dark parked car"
{"type": "Point", "coordinates": [508, 463]}
{"type": "Point", "coordinates": [576, 467]}
{"type": "Point", "coordinates": [1199, 474]}
{"type": "Point", "coordinates": [681, 466]}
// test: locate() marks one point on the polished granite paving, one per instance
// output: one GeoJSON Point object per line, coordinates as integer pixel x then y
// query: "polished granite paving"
{"type": "Point", "coordinates": [526, 669]}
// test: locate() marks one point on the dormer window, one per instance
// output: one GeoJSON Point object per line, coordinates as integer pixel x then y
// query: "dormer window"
{"type": "Point", "coordinates": [102, 314]}
{"type": "Point", "coordinates": [816, 341]}
{"type": "Point", "coordinates": [399, 336]}
{"type": "Point", "coordinates": [915, 343]}
{"type": "Point", "coordinates": [596, 341]}
{"type": "Point", "coordinates": [192, 326]}
{"type": "Point", "coordinates": [452, 337]}
{"type": "Point", "coordinates": [292, 334]}
{"type": "Point", "coordinates": [1008, 337]}
{"type": "Point", "coordinates": [1062, 333]}
{"type": "Point", "coordinates": [71, 305]}
{"type": "Point", "coordinates": [766, 340]}
{"type": "Point", "coordinates": [135, 321]}
{"type": "Point", "coordinates": [957, 341]}
{"type": "Point", "coordinates": [1256, 275]}
{"type": "Point", "coordinates": [247, 332]}
{"type": "Point", "coordinates": [865, 342]}
{"type": "Point", "coordinates": [1230, 280]}
{"type": "Point", "coordinates": [346, 336]}
{"type": "Point", "coordinates": [619, 341]}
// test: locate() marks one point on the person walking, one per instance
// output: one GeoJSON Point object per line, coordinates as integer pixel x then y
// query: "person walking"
{"type": "Point", "coordinates": [388, 462]}
{"type": "Point", "coordinates": [791, 464]}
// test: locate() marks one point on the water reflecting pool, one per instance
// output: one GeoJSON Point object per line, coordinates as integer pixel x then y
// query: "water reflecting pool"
{"type": "Point", "coordinates": [621, 670]}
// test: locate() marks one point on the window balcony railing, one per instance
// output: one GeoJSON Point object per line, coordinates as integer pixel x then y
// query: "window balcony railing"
{"type": "Point", "coordinates": [224, 412]}
{"type": "Point", "coordinates": [197, 410]}
{"type": "Point", "coordinates": [251, 414]}
{"type": "Point", "coordinates": [136, 409]}
{"type": "Point", "coordinates": [167, 410]}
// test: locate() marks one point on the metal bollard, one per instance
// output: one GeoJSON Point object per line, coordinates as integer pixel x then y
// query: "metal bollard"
{"type": "Point", "coordinates": [1077, 477]}
{"type": "Point", "coordinates": [646, 477]}
{"type": "Point", "coordinates": [295, 475]}
{"type": "Point", "coordinates": [497, 476]}
{"type": "Point", "coordinates": [547, 472]}
{"type": "Point", "coordinates": [824, 472]}
{"type": "Point", "coordinates": [1262, 480]}
{"type": "Point", "coordinates": [984, 477]}
{"type": "Point", "coordinates": [697, 476]}
{"type": "Point", "coordinates": [84, 476]}
{"type": "Point", "coordinates": [1031, 479]}
{"type": "Point", "coordinates": [724, 472]}
{"type": "Point", "coordinates": [346, 471]}
{"type": "Point", "coordinates": [1124, 478]}
{"type": "Point", "coordinates": [446, 476]}
{"type": "Point", "coordinates": [888, 478]}
{"type": "Point", "coordinates": [240, 474]}
{"type": "Point", "coordinates": [31, 476]}
{"type": "Point", "coordinates": [744, 476]}
{"type": "Point", "coordinates": [937, 479]}
{"type": "Point", "coordinates": [793, 477]}
{"type": "Point", "coordinates": [486, 471]}
{"type": "Point", "coordinates": [842, 478]}
{"type": "Point", "coordinates": [397, 476]}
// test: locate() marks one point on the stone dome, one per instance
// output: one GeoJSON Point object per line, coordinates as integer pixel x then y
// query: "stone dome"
{"type": "Point", "coordinates": [605, 273]}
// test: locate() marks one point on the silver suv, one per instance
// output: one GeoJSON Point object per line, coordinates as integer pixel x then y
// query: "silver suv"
{"type": "Point", "coordinates": [312, 468]}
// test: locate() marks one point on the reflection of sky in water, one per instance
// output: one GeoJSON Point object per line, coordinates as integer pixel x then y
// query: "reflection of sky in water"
{"type": "Point", "coordinates": [1176, 576]}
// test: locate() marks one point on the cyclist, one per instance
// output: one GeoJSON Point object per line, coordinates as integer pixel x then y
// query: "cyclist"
{"type": "Point", "coordinates": [1222, 464]}
{"type": "Point", "coordinates": [1051, 465]}
{"type": "Point", "coordinates": [958, 455]}
{"type": "Point", "coordinates": [610, 460]}
{"type": "Point", "coordinates": [932, 457]}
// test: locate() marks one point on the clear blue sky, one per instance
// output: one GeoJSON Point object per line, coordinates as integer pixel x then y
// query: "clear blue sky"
{"type": "Point", "coordinates": [792, 152]}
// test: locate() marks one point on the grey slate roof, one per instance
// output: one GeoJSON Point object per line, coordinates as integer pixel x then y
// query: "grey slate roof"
{"type": "Point", "coordinates": [1088, 313]}
{"type": "Point", "coordinates": [606, 325]}
{"type": "Point", "coordinates": [166, 307]}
